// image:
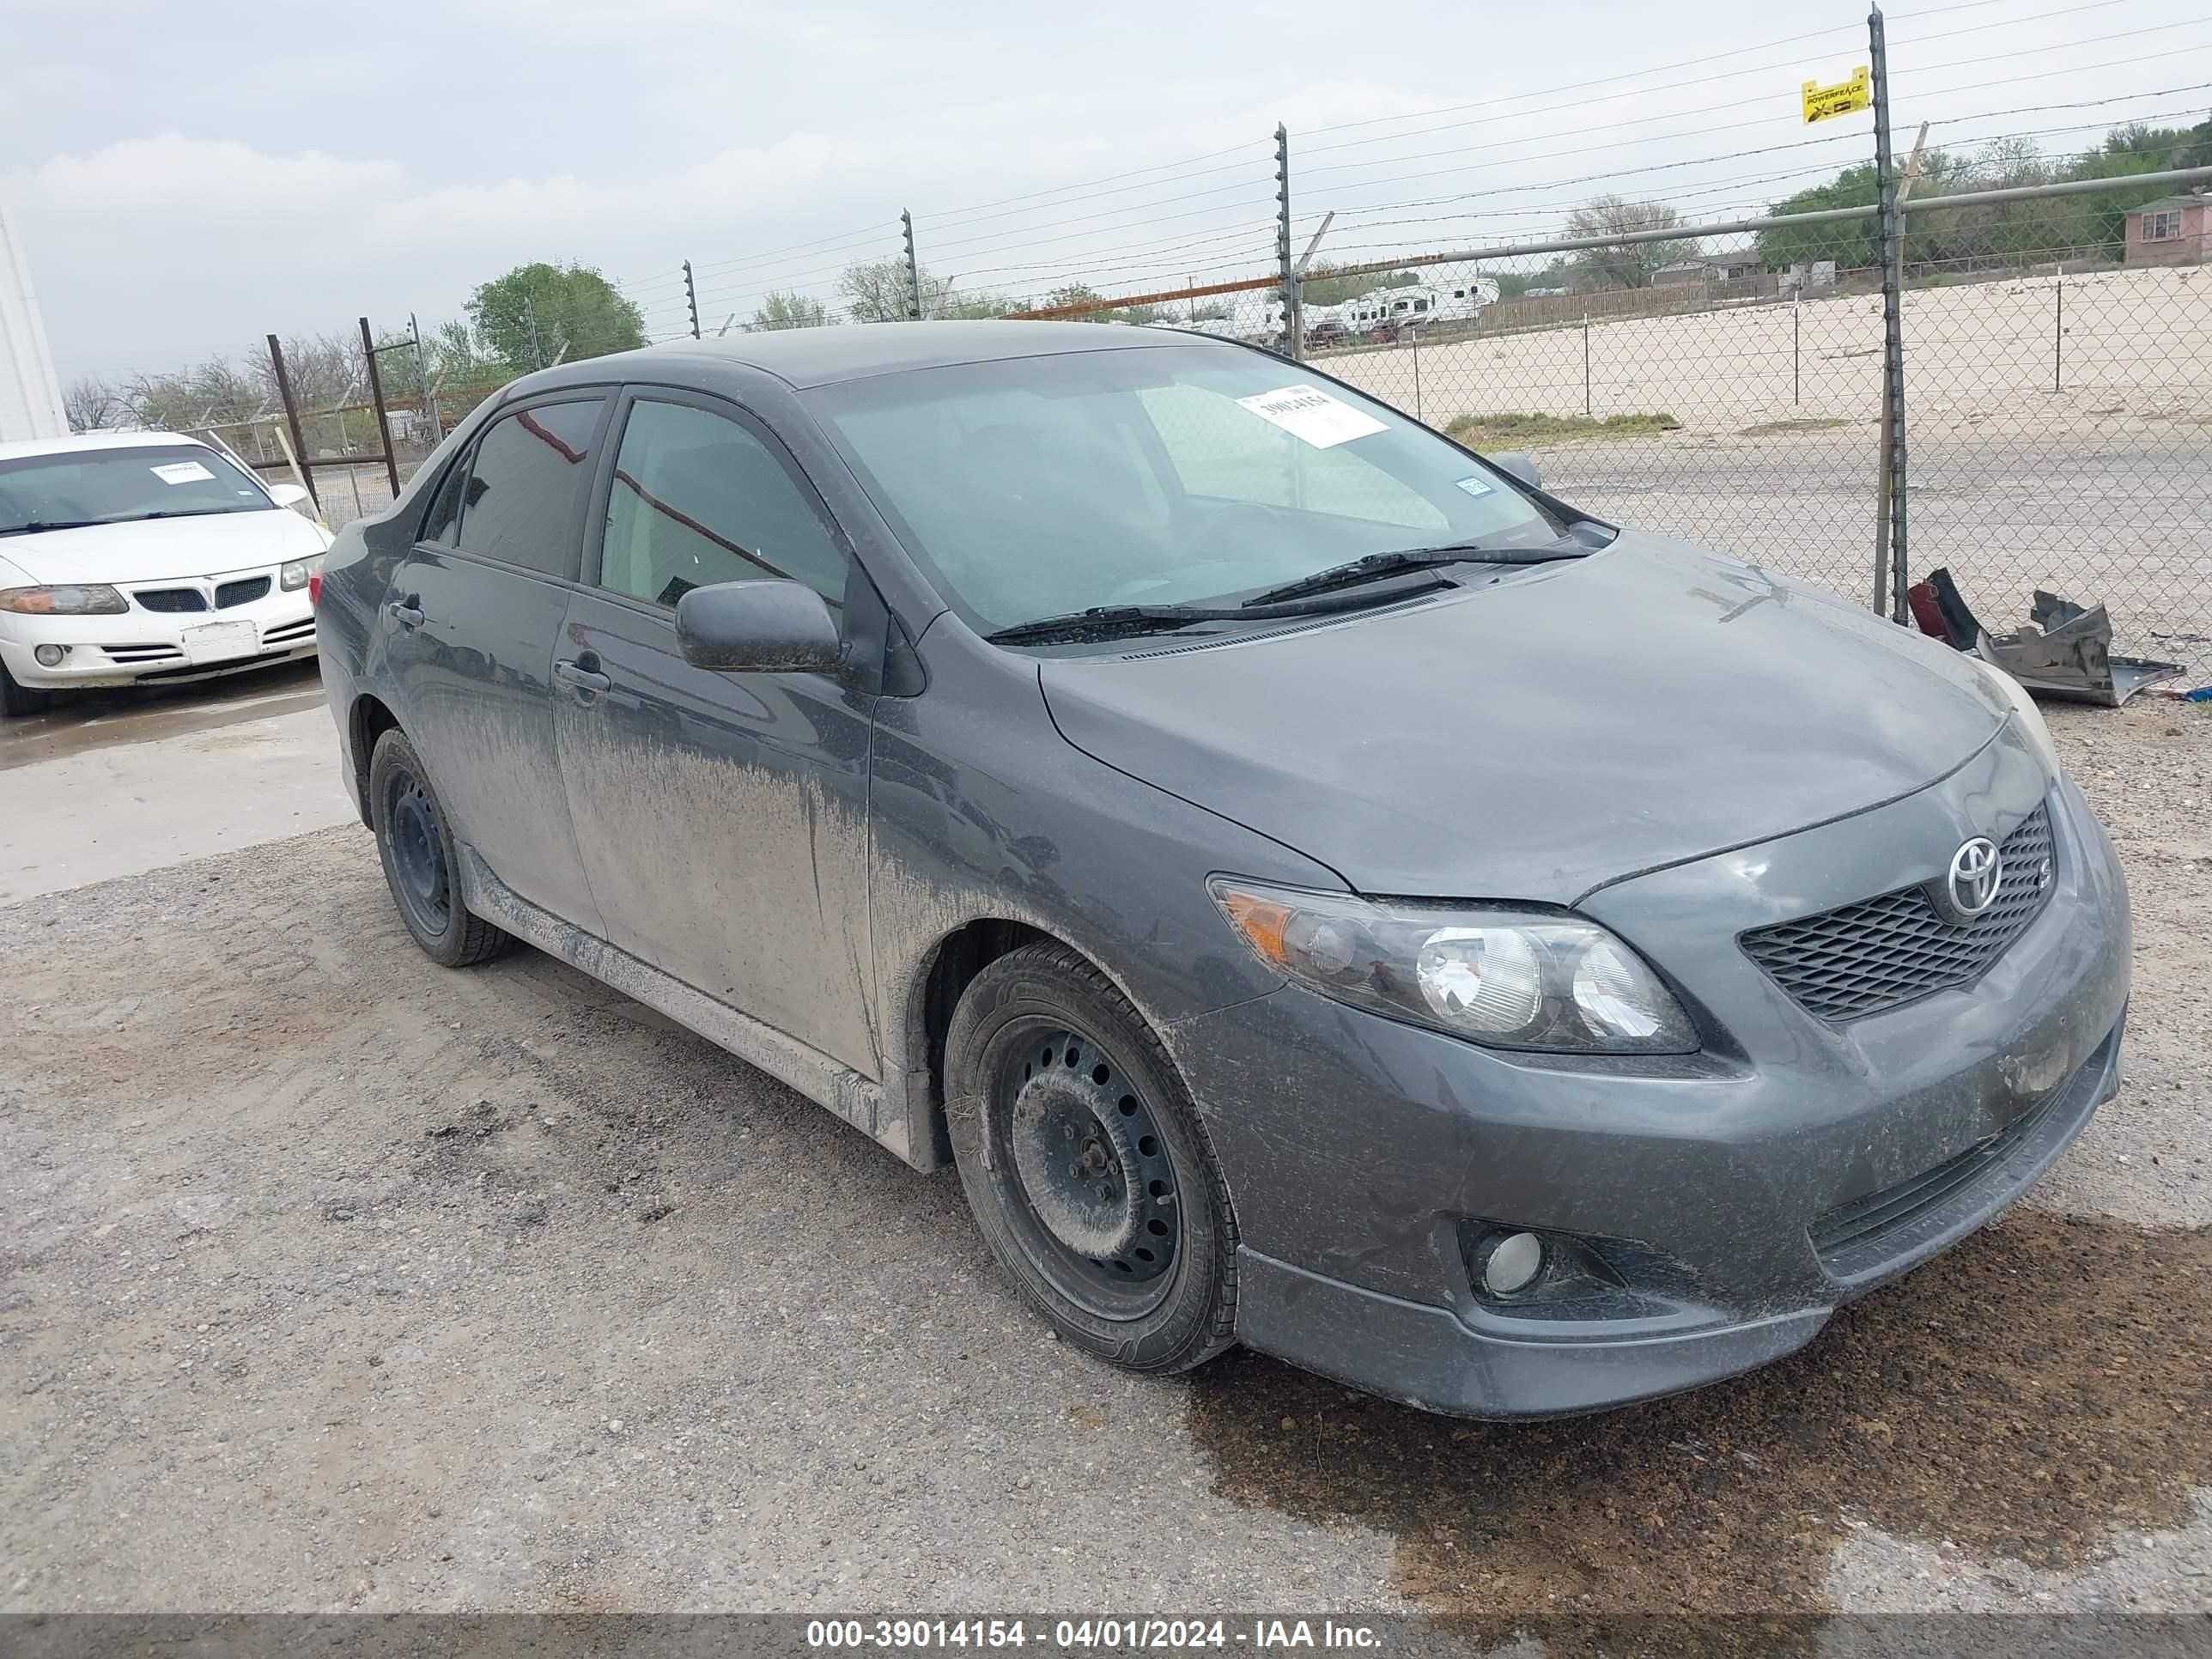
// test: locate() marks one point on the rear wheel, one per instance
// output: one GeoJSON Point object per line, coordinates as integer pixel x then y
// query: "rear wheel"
{"type": "Point", "coordinates": [1086, 1165]}
{"type": "Point", "coordinates": [420, 864]}
{"type": "Point", "coordinates": [17, 700]}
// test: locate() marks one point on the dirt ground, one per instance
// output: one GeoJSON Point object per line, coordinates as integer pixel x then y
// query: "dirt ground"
{"type": "Point", "coordinates": [331, 1279]}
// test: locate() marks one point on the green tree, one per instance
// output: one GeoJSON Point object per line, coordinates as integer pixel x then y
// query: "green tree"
{"type": "Point", "coordinates": [878, 291]}
{"type": "Point", "coordinates": [540, 314]}
{"type": "Point", "coordinates": [790, 309]}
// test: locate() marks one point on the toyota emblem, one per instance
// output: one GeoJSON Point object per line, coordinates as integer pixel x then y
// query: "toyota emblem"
{"type": "Point", "coordinates": [1971, 886]}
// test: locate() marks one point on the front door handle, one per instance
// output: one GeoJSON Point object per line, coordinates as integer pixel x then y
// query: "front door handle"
{"type": "Point", "coordinates": [575, 674]}
{"type": "Point", "coordinates": [406, 612]}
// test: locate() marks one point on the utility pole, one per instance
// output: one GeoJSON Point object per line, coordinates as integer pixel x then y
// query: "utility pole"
{"type": "Point", "coordinates": [691, 298]}
{"type": "Point", "coordinates": [423, 378]}
{"type": "Point", "coordinates": [1889, 573]}
{"type": "Point", "coordinates": [913, 269]}
{"type": "Point", "coordinates": [1293, 330]}
{"type": "Point", "coordinates": [530, 314]}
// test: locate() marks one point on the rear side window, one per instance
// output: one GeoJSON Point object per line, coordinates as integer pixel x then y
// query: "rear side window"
{"type": "Point", "coordinates": [526, 484]}
{"type": "Point", "coordinates": [699, 499]}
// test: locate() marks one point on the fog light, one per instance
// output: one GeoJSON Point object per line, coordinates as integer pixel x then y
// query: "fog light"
{"type": "Point", "coordinates": [1512, 1264]}
{"type": "Point", "coordinates": [49, 656]}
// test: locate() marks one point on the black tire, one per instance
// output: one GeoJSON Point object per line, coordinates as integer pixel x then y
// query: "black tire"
{"type": "Point", "coordinates": [1088, 1172]}
{"type": "Point", "coordinates": [420, 864]}
{"type": "Point", "coordinates": [19, 700]}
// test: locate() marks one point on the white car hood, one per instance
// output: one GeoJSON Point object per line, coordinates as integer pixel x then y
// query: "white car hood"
{"type": "Point", "coordinates": [159, 550]}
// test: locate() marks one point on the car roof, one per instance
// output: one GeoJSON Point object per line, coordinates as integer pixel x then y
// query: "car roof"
{"type": "Point", "coordinates": [849, 351]}
{"type": "Point", "coordinates": [94, 440]}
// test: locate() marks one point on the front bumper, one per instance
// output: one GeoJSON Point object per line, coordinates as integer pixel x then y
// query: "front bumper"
{"type": "Point", "coordinates": [1750, 1189]}
{"type": "Point", "coordinates": [142, 644]}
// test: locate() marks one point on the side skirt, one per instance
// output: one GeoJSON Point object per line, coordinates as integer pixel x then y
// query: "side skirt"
{"type": "Point", "coordinates": [823, 1081]}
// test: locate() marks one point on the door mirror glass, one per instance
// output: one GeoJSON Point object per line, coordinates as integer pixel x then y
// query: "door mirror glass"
{"type": "Point", "coordinates": [286, 494]}
{"type": "Point", "coordinates": [1520, 464]}
{"type": "Point", "coordinates": [761, 627]}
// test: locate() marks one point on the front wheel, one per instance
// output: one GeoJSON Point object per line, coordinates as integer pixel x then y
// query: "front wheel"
{"type": "Point", "coordinates": [18, 699]}
{"type": "Point", "coordinates": [1086, 1165]}
{"type": "Point", "coordinates": [421, 865]}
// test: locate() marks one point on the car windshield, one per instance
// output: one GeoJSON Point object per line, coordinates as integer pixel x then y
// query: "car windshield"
{"type": "Point", "coordinates": [114, 486]}
{"type": "Point", "coordinates": [1035, 486]}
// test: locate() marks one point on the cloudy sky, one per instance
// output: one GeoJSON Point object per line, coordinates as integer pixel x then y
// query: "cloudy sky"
{"type": "Point", "coordinates": [185, 181]}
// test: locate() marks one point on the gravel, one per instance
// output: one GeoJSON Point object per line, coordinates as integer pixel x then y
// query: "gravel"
{"type": "Point", "coordinates": [334, 1281]}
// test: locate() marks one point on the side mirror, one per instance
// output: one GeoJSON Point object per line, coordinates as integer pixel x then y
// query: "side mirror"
{"type": "Point", "coordinates": [769, 627]}
{"type": "Point", "coordinates": [1520, 464]}
{"type": "Point", "coordinates": [286, 494]}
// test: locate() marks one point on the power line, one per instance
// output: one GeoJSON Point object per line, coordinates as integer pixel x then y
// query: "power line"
{"type": "Point", "coordinates": [1672, 86]}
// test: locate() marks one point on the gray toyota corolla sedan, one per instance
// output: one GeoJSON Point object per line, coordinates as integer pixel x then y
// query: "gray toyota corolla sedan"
{"type": "Point", "coordinates": [1320, 890]}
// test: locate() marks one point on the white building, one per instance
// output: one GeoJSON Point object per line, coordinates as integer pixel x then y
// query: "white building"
{"type": "Point", "coordinates": [30, 394]}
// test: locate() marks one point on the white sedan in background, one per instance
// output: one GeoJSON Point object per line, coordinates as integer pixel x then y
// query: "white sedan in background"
{"type": "Point", "coordinates": [127, 557]}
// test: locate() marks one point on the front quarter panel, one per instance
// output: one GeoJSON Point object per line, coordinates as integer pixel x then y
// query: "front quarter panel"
{"type": "Point", "coordinates": [980, 811]}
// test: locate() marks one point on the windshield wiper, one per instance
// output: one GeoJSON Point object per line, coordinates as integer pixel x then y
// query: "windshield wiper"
{"type": "Point", "coordinates": [1376, 565]}
{"type": "Point", "coordinates": [37, 525]}
{"type": "Point", "coordinates": [178, 513]}
{"type": "Point", "coordinates": [1120, 620]}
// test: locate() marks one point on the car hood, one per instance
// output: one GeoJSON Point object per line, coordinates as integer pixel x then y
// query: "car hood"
{"type": "Point", "coordinates": [1539, 738]}
{"type": "Point", "coordinates": [158, 549]}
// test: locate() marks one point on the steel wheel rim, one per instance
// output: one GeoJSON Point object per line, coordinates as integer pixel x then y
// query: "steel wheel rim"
{"type": "Point", "coordinates": [1089, 1183]}
{"type": "Point", "coordinates": [418, 852]}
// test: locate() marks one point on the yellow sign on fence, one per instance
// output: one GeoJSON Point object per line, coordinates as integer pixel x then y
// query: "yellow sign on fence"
{"type": "Point", "coordinates": [1821, 102]}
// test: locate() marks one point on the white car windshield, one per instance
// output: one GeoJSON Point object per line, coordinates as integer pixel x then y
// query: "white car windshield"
{"type": "Point", "coordinates": [80, 487]}
{"type": "Point", "coordinates": [1039, 486]}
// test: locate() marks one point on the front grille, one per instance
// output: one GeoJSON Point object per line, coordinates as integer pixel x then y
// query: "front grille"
{"type": "Point", "coordinates": [1858, 959]}
{"type": "Point", "coordinates": [171, 598]}
{"type": "Point", "coordinates": [138, 653]}
{"type": "Point", "coordinates": [291, 633]}
{"type": "Point", "coordinates": [242, 591]}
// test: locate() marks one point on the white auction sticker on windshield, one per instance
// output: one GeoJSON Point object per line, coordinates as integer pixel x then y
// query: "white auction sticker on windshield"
{"type": "Point", "coordinates": [177, 472]}
{"type": "Point", "coordinates": [1309, 413]}
{"type": "Point", "coordinates": [1477, 486]}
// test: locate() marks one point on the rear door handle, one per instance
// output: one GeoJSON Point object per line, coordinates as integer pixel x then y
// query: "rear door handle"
{"type": "Point", "coordinates": [406, 615]}
{"type": "Point", "coordinates": [572, 673]}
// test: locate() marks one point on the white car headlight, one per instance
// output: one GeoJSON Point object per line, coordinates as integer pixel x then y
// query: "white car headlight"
{"type": "Point", "coordinates": [1505, 978]}
{"type": "Point", "coordinates": [2025, 712]}
{"type": "Point", "coordinates": [75, 599]}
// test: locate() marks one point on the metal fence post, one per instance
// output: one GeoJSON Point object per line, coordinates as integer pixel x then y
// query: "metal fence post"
{"type": "Point", "coordinates": [1796, 351]}
{"type": "Point", "coordinates": [913, 269]}
{"type": "Point", "coordinates": [1294, 343]}
{"type": "Point", "coordinates": [2058, 332]}
{"type": "Point", "coordinates": [1587, 409]}
{"type": "Point", "coordinates": [691, 298]}
{"type": "Point", "coordinates": [1890, 566]}
{"type": "Point", "coordinates": [292, 420]}
{"type": "Point", "coordinates": [1416, 371]}
{"type": "Point", "coordinates": [376, 401]}
{"type": "Point", "coordinates": [423, 378]}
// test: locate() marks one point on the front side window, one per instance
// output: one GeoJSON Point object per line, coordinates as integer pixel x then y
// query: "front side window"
{"type": "Point", "coordinates": [526, 484]}
{"type": "Point", "coordinates": [1037, 486]}
{"type": "Point", "coordinates": [117, 486]}
{"type": "Point", "coordinates": [698, 499]}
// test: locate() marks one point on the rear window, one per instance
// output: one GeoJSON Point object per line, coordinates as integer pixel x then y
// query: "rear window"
{"type": "Point", "coordinates": [525, 487]}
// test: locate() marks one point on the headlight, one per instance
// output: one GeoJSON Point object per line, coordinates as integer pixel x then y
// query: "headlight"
{"type": "Point", "coordinates": [96, 599]}
{"type": "Point", "coordinates": [2025, 711]}
{"type": "Point", "coordinates": [294, 576]}
{"type": "Point", "coordinates": [1509, 979]}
